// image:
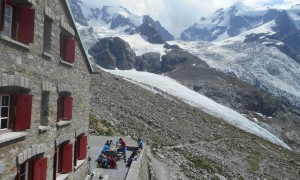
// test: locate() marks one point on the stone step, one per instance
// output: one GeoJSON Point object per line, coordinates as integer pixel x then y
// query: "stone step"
{"type": "Point", "coordinates": [105, 177]}
{"type": "Point", "coordinates": [96, 173]}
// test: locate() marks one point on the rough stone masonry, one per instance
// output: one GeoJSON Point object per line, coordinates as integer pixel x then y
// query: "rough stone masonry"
{"type": "Point", "coordinates": [39, 69]}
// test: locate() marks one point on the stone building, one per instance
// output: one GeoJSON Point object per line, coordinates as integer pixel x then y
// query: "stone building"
{"type": "Point", "coordinates": [44, 92]}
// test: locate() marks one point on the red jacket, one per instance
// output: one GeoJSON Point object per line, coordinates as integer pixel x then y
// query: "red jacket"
{"type": "Point", "coordinates": [123, 143]}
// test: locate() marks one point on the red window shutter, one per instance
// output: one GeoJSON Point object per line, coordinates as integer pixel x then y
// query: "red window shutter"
{"type": "Point", "coordinates": [67, 154]}
{"type": "Point", "coordinates": [70, 50]}
{"type": "Point", "coordinates": [60, 106]}
{"type": "Point", "coordinates": [26, 25]}
{"type": "Point", "coordinates": [23, 111]}
{"type": "Point", "coordinates": [62, 46]}
{"type": "Point", "coordinates": [2, 11]}
{"type": "Point", "coordinates": [68, 104]}
{"type": "Point", "coordinates": [83, 147]}
{"type": "Point", "coordinates": [40, 169]}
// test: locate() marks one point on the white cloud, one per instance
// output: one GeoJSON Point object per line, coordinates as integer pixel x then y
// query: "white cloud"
{"type": "Point", "coordinates": [176, 15]}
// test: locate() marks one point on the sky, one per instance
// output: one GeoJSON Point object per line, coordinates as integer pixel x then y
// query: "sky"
{"type": "Point", "coordinates": [177, 15]}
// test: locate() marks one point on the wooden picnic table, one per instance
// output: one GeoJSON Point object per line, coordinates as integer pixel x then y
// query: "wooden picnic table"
{"type": "Point", "coordinates": [112, 151]}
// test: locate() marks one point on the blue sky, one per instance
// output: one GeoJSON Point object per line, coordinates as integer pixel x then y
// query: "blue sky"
{"type": "Point", "coordinates": [176, 15]}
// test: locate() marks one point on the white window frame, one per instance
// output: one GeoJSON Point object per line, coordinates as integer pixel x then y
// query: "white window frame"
{"type": "Point", "coordinates": [8, 24]}
{"type": "Point", "coordinates": [25, 174]}
{"type": "Point", "coordinates": [8, 106]}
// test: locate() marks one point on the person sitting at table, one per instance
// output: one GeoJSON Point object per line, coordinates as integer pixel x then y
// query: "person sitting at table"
{"type": "Point", "coordinates": [107, 143]}
{"type": "Point", "coordinates": [104, 149]}
{"type": "Point", "coordinates": [118, 143]}
{"type": "Point", "coordinates": [140, 143]}
{"type": "Point", "coordinates": [112, 163]}
{"type": "Point", "coordinates": [100, 159]}
{"type": "Point", "coordinates": [134, 156]}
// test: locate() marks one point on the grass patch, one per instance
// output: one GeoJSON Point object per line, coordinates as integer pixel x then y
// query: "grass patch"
{"type": "Point", "coordinates": [253, 162]}
{"type": "Point", "coordinates": [126, 97]}
{"type": "Point", "coordinates": [198, 163]}
{"type": "Point", "coordinates": [101, 127]}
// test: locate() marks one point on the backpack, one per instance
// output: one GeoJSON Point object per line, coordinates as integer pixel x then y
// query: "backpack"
{"type": "Point", "coordinates": [105, 163]}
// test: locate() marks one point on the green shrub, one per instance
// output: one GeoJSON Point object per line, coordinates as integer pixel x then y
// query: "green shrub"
{"type": "Point", "coordinates": [109, 132]}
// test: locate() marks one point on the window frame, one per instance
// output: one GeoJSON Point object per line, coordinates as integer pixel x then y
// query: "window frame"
{"type": "Point", "coordinates": [80, 153]}
{"type": "Point", "coordinates": [19, 116]}
{"type": "Point", "coordinates": [33, 168]}
{"type": "Point", "coordinates": [67, 47]}
{"type": "Point", "coordinates": [27, 171]}
{"type": "Point", "coordinates": [47, 46]}
{"type": "Point", "coordinates": [44, 121]}
{"type": "Point", "coordinates": [63, 160]}
{"type": "Point", "coordinates": [6, 22]}
{"type": "Point", "coordinates": [22, 22]}
{"type": "Point", "coordinates": [64, 107]}
{"type": "Point", "coordinates": [8, 111]}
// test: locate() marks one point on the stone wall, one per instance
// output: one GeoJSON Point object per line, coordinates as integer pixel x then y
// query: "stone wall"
{"type": "Point", "coordinates": [27, 67]}
{"type": "Point", "coordinates": [139, 168]}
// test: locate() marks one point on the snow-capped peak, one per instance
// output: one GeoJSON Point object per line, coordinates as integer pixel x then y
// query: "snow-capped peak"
{"type": "Point", "coordinates": [114, 11]}
{"type": "Point", "coordinates": [110, 13]}
{"type": "Point", "coordinates": [238, 7]}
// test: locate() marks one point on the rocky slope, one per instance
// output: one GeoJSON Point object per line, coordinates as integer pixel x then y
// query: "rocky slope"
{"type": "Point", "coordinates": [193, 144]}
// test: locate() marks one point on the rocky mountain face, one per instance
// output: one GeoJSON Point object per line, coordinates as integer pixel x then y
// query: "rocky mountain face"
{"type": "Point", "coordinates": [153, 30]}
{"type": "Point", "coordinates": [188, 143]}
{"type": "Point", "coordinates": [286, 38]}
{"type": "Point", "coordinates": [75, 5]}
{"type": "Point", "coordinates": [112, 53]}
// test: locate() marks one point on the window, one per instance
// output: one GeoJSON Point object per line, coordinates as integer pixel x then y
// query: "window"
{"type": "Point", "coordinates": [64, 105]}
{"type": "Point", "coordinates": [47, 34]}
{"type": "Point", "coordinates": [67, 46]}
{"type": "Point", "coordinates": [45, 108]}
{"type": "Point", "coordinates": [80, 148]}
{"type": "Point", "coordinates": [33, 169]}
{"type": "Point", "coordinates": [7, 24]}
{"type": "Point", "coordinates": [63, 159]}
{"type": "Point", "coordinates": [15, 111]}
{"type": "Point", "coordinates": [17, 20]}
{"type": "Point", "coordinates": [4, 111]}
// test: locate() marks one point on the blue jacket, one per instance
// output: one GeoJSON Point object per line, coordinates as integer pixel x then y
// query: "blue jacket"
{"type": "Point", "coordinates": [105, 147]}
{"type": "Point", "coordinates": [141, 144]}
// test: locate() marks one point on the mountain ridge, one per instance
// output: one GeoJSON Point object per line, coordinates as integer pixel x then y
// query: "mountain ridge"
{"type": "Point", "coordinates": [120, 19]}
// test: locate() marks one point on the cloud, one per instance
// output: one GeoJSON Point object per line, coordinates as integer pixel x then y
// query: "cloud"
{"type": "Point", "coordinates": [176, 15]}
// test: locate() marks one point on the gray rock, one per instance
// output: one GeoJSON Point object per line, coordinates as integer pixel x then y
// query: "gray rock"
{"type": "Point", "coordinates": [149, 62]}
{"type": "Point", "coordinates": [2, 166]}
{"type": "Point", "coordinates": [112, 53]}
